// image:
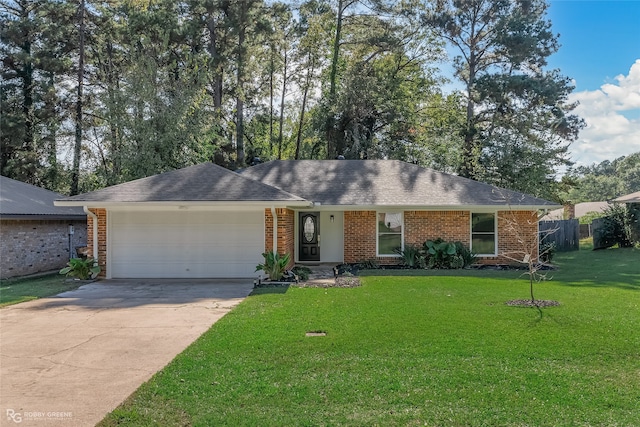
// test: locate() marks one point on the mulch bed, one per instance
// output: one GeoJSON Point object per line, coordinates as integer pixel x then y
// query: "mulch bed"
{"type": "Point", "coordinates": [528, 303]}
{"type": "Point", "coordinates": [339, 282]}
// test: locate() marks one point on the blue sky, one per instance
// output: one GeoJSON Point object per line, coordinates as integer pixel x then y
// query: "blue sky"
{"type": "Point", "coordinates": [600, 39]}
{"type": "Point", "coordinates": [601, 52]}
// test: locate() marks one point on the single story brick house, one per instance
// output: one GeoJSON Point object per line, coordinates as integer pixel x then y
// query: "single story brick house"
{"type": "Point", "coordinates": [36, 236]}
{"type": "Point", "coordinates": [206, 221]}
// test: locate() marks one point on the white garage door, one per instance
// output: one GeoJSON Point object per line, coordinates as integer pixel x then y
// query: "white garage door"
{"type": "Point", "coordinates": [185, 244]}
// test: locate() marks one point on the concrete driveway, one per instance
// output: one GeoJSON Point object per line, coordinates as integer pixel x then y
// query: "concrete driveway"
{"type": "Point", "coordinates": [71, 359]}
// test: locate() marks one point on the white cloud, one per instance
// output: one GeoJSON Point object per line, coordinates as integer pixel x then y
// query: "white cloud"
{"type": "Point", "coordinates": [612, 114]}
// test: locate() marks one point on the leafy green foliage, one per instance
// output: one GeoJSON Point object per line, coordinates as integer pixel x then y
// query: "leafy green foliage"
{"type": "Point", "coordinates": [603, 181]}
{"type": "Point", "coordinates": [518, 122]}
{"type": "Point", "coordinates": [468, 257]}
{"type": "Point", "coordinates": [590, 216]}
{"type": "Point", "coordinates": [274, 265]}
{"type": "Point", "coordinates": [301, 271]}
{"type": "Point", "coordinates": [81, 268]}
{"type": "Point", "coordinates": [436, 254]}
{"type": "Point", "coordinates": [620, 225]}
{"type": "Point", "coordinates": [547, 251]}
{"type": "Point", "coordinates": [411, 256]}
{"type": "Point", "coordinates": [170, 84]}
{"type": "Point", "coordinates": [368, 264]}
{"type": "Point", "coordinates": [442, 254]}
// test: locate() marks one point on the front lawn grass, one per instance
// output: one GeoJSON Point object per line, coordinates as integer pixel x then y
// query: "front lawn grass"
{"type": "Point", "coordinates": [428, 350]}
{"type": "Point", "coordinates": [14, 291]}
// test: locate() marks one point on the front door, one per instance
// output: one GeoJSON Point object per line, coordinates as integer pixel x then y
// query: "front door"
{"type": "Point", "coordinates": [309, 240]}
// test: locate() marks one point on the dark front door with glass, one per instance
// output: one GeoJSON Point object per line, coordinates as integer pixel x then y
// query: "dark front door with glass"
{"type": "Point", "coordinates": [309, 241]}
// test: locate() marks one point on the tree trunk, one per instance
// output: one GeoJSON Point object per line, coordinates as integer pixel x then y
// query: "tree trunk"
{"type": "Point", "coordinates": [75, 172]}
{"type": "Point", "coordinates": [240, 90]}
{"type": "Point", "coordinates": [27, 166]}
{"type": "Point", "coordinates": [284, 91]}
{"type": "Point", "coordinates": [271, 72]}
{"type": "Point", "coordinates": [52, 126]}
{"type": "Point", "coordinates": [113, 84]}
{"type": "Point", "coordinates": [302, 109]}
{"type": "Point", "coordinates": [332, 144]}
{"type": "Point", "coordinates": [215, 60]}
{"type": "Point", "coordinates": [469, 152]}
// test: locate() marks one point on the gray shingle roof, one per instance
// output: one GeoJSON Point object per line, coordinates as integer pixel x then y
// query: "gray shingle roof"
{"type": "Point", "coordinates": [22, 200]}
{"type": "Point", "coordinates": [581, 210]}
{"type": "Point", "coordinates": [629, 198]}
{"type": "Point", "coordinates": [382, 183]}
{"type": "Point", "coordinates": [206, 182]}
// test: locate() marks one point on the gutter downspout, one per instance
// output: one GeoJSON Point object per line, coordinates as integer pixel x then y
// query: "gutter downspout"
{"type": "Point", "coordinates": [275, 229]}
{"type": "Point", "coordinates": [95, 232]}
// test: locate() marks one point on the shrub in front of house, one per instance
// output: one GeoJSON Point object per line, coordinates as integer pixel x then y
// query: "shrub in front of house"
{"type": "Point", "coordinates": [274, 265]}
{"type": "Point", "coordinates": [81, 268]}
{"type": "Point", "coordinates": [436, 254]}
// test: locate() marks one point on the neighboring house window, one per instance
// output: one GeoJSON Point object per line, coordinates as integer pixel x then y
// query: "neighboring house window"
{"type": "Point", "coordinates": [389, 232]}
{"type": "Point", "coordinates": [483, 233]}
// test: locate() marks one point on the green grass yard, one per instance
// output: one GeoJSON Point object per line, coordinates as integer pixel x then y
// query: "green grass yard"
{"type": "Point", "coordinates": [14, 291]}
{"type": "Point", "coordinates": [435, 350]}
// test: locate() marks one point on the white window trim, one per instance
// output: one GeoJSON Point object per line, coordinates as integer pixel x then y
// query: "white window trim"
{"type": "Point", "coordinates": [378, 254]}
{"type": "Point", "coordinates": [495, 233]}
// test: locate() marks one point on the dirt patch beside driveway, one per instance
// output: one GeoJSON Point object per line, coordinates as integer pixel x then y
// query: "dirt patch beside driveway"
{"type": "Point", "coordinates": [71, 359]}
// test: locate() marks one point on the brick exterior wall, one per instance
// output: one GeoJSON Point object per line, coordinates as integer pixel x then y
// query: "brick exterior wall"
{"type": "Point", "coordinates": [102, 239]}
{"type": "Point", "coordinates": [286, 232]}
{"type": "Point", "coordinates": [268, 230]}
{"type": "Point", "coordinates": [360, 237]}
{"type": "Point", "coordinates": [420, 226]}
{"type": "Point", "coordinates": [34, 246]}
{"type": "Point", "coordinates": [514, 227]}
{"type": "Point", "coordinates": [517, 235]}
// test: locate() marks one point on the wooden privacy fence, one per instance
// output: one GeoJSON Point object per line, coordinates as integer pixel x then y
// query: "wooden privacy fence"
{"type": "Point", "coordinates": [566, 235]}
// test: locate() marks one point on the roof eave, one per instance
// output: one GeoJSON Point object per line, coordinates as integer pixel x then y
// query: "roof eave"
{"type": "Point", "coordinates": [169, 203]}
{"type": "Point", "coordinates": [36, 217]}
{"type": "Point", "coordinates": [412, 207]}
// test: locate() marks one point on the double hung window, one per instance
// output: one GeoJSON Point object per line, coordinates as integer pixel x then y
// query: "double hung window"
{"type": "Point", "coordinates": [483, 233]}
{"type": "Point", "coordinates": [390, 228]}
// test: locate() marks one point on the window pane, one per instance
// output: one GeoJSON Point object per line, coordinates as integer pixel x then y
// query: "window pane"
{"type": "Point", "coordinates": [389, 222]}
{"type": "Point", "coordinates": [388, 242]}
{"type": "Point", "coordinates": [482, 223]}
{"type": "Point", "coordinates": [483, 244]}
{"type": "Point", "coordinates": [309, 229]}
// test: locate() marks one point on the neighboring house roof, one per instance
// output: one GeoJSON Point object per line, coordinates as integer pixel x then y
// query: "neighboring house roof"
{"type": "Point", "coordinates": [19, 200]}
{"type": "Point", "coordinates": [629, 198]}
{"type": "Point", "coordinates": [206, 182]}
{"type": "Point", "coordinates": [383, 183]}
{"type": "Point", "coordinates": [581, 210]}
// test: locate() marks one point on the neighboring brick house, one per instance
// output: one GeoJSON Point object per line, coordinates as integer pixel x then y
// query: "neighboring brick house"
{"type": "Point", "coordinates": [206, 221]}
{"type": "Point", "coordinates": [35, 235]}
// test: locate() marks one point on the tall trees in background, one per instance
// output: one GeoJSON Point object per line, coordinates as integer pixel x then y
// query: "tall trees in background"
{"type": "Point", "coordinates": [380, 78]}
{"type": "Point", "coordinates": [34, 55]}
{"type": "Point", "coordinates": [518, 122]}
{"type": "Point", "coordinates": [96, 93]}
{"type": "Point", "coordinates": [603, 181]}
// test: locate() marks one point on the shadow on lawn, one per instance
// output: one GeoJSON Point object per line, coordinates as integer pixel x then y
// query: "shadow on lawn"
{"type": "Point", "coordinates": [602, 284]}
{"type": "Point", "coordinates": [273, 289]}
{"type": "Point", "coordinates": [618, 268]}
